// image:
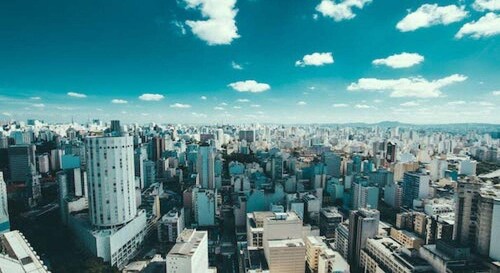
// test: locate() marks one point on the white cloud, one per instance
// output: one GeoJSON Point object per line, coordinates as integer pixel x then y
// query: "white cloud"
{"type": "Point", "coordinates": [219, 28]}
{"type": "Point", "coordinates": [343, 10]}
{"type": "Point", "coordinates": [119, 101]}
{"type": "Point", "coordinates": [301, 103]}
{"type": "Point", "coordinates": [486, 26]}
{"type": "Point", "coordinates": [485, 103]}
{"type": "Point", "coordinates": [458, 102]}
{"type": "Point", "coordinates": [199, 115]}
{"type": "Point", "coordinates": [237, 107]}
{"type": "Point", "coordinates": [249, 86]}
{"type": "Point", "coordinates": [407, 87]}
{"type": "Point", "coordinates": [255, 105]}
{"type": "Point", "coordinates": [496, 93]}
{"type": "Point", "coordinates": [236, 66]}
{"type": "Point", "coordinates": [402, 60]}
{"type": "Point", "coordinates": [7, 114]}
{"type": "Point", "coordinates": [410, 104]}
{"type": "Point", "coordinates": [64, 108]}
{"type": "Point", "coordinates": [482, 5]}
{"type": "Point", "coordinates": [315, 59]}
{"type": "Point", "coordinates": [35, 98]}
{"type": "Point", "coordinates": [180, 105]}
{"type": "Point", "coordinates": [430, 15]}
{"type": "Point", "coordinates": [151, 97]}
{"type": "Point", "coordinates": [223, 104]}
{"type": "Point", "coordinates": [243, 100]}
{"type": "Point", "coordinates": [76, 95]}
{"type": "Point", "coordinates": [218, 108]}
{"type": "Point", "coordinates": [338, 105]}
{"type": "Point", "coordinates": [180, 26]}
{"type": "Point", "coordinates": [362, 106]}
{"type": "Point", "coordinates": [39, 105]}
{"type": "Point", "coordinates": [377, 101]}
{"type": "Point", "coordinates": [203, 97]}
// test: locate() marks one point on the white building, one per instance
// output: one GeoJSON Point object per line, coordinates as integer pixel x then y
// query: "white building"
{"type": "Point", "coordinates": [4, 208]}
{"type": "Point", "coordinates": [17, 255]}
{"type": "Point", "coordinates": [190, 253]}
{"type": "Point", "coordinates": [111, 180]}
{"type": "Point", "coordinates": [171, 225]}
{"type": "Point", "coordinates": [467, 167]}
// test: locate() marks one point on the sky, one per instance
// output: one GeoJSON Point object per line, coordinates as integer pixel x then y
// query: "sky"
{"type": "Point", "coordinates": [245, 61]}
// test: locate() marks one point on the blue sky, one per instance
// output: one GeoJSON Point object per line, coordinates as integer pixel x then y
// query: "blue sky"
{"type": "Point", "coordinates": [251, 60]}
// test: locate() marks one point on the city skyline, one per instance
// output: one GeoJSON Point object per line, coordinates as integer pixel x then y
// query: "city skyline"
{"type": "Point", "coordinates": [197, 61]}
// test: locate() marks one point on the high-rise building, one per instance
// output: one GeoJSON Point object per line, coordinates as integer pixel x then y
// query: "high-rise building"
{"type": "Point", "coordinates": [190, 253]}
{"type": "Point", "coordinates": [157, 148]}
{"type": "Point", "coordinates": [205, 167]}
{"type": "Point", "coordinates": [247, 135]}
{"type": "Point", "coordinates": [329, 219]}
{"type": "Point", "coordinates": [364, 195]}
{"type": "Point", "coordinates": [111, 180]}
{"type": "Point", "coordinates": [18, 256]}
{"type": "Point", "coordinates": [363, 224]}
{"type": "Point", "coordinates": [205, 206]}
{"type": "Point", "coordinates": [170, 226]}
{"type": "Point", "coordinates": [21, 158]}
{"type": "Point", "coordinates": [4, 208]}
{"type": "Point", "coordinates": [467, 167]}
{"type": "Point", "coordinates": [477, 207]}
{"type": "Point", "coordinates": [333, 163]}
{"type": "Point", "coordinates": [415, 186]}
{"type": "Point", "coordinates": [390, 155]}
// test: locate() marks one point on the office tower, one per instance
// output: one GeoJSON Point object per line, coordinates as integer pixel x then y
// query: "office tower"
{"type": "Point", "coordinates": [329, 219]}
{"type": "Point", "coordinates": [255, 228]}
{"type": "Point", "coordinates": [205, 206]}
{"type": "Point", "coordinates": [43, 163]}
{"type": "Point", "coordinates": [116, 127]}
{"type": "Point", "coordinates": [205, 166]}
{"type": "Point", "coordinates": [21, 157]}
{"type": "Point", "coordinates": [140, 155]}
{"type": "Point", "coordinates": [467, 167]}
{"type": "Point", "coordinates": [390, 155]}
{"type": "Point", "coordinates": [415, 186]}
{"type": "Point", "coordinates": [247, 135]}
{"type": "Point", "coordinates": [149, 174]}
{"type": "Point", "coordinates": [333, 163]}
{"type": "Point", "coordinates": [111, 180]}
{"type": "Point", "coordinates": [18, 256]}
{"type": "Point", "coordinates": [381, 177]}
{"type": "Point", "coordinates": [157, 148]}
{"type": "Point", "coordinates": [477, 207]}
{"type": "Point", "coordinates": [62, 182]}
{"type": "Point", "coordinates": [363, 224]}
{"type": "Point", "coordinates": [342, 239]}
{"type": "Point", "coordinates": [33, 191]}
{"type": "Point", "coordinates": [4, 206]}
{"type": "Point", "coordinates": [284, 247]}
{"type": "Point", "coordinates": [171, 225]}
{"type": "Point", "coordinates": [330, 261]}
{"type": "Point", "coordinates": [356, 164]}
{"type": "Point", "coordinates": [437, 168]}
{"type": "Point", "coordinates": [277, 166]}
{"type": "Point", "coordinates": [364, 195]}
{"type": "Point", "coordinates": [393, 194]}
{"type": "Point", "coordinates": [56, 159]}
{"type": "Point", "coordinates": [190, 253]}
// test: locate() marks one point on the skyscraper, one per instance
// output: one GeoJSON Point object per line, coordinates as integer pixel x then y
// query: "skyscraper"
{"type": "Point", "coordinates": [190, 253]}
{"type": "Point", "coordinates": [205, 166]}
{"type": "Point", "coordinates": [21, 157]}
{"type": "Point", "coordinates": [4, 209]}
{"type": "Point", "coordinates": [111, 180]}
{"type": "Point", "coordinates": [363, 224]}
{"type": "Point", "coordinates": [415, 186]}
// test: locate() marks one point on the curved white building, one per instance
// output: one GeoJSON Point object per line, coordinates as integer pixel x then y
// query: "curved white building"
{"type": "Point", "coordinates": [111, 180]}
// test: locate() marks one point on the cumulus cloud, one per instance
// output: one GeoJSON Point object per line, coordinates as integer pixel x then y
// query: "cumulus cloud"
{"type": "Point", "coordinates": [407, 87]}
{"type": "Point", "coordinates": [250, 86]}
{"type": "Point", "coordinates": [315, 59]}
{"type": "Point", "coordinates": [203, 97]}
{"type": "Point", "coordinates": [430, 15]}
{"type": "Point", "coordinates": [219, 28]}
{"type": "Point", "coordinates": [237, 107]}
{"type": "Point", "coordinates": [151, 97]}
{"type": "Point", "coordinates": [301, 103]}
{"type": "Point", "coordinates": [340, 10]}
{"type": "Point", "coordinates": [255, 105]}
{"type": "Point", "coordinates": [180, 105]}
{"type": "Point", "coordinates": [402, 60]}
{"type": "Point", "coordinates": [236, 66]}
{"type": "Point", "coordinates": [243, 100]}
{"type": "Point", "coordinates": [7, 114]}
{"type": "Point", "coordinates": [458, 102]}
{"type": "Point", "coordinates": [410, 104]}
{"type": "Point", "coordinates": [199, 115]}
{"type": "Point", "coordinates": [119, 101]}
{"type": "Point", "coordinates": [38, 105]}
{"type": "Point", "coordinates": [496, 93]}
{"type": "Point", "coordinates": [362, 106]}
{"type": "Point", "coordinates": [482, 5]}
{"type": "Point", "coordinates": [338, 105]}
{"type": "Point", "coordinates": [486, 26]}
{"type": "Point", "coordinates": [76, 95]}
{"type": "Point", "coordinates": [218, 108]}
{"type": "Point", "coordinates": [35, 98]}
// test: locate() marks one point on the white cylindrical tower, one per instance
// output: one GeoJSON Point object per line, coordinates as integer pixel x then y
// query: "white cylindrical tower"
{"type": "Point", "coordinates": [111, 181]}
